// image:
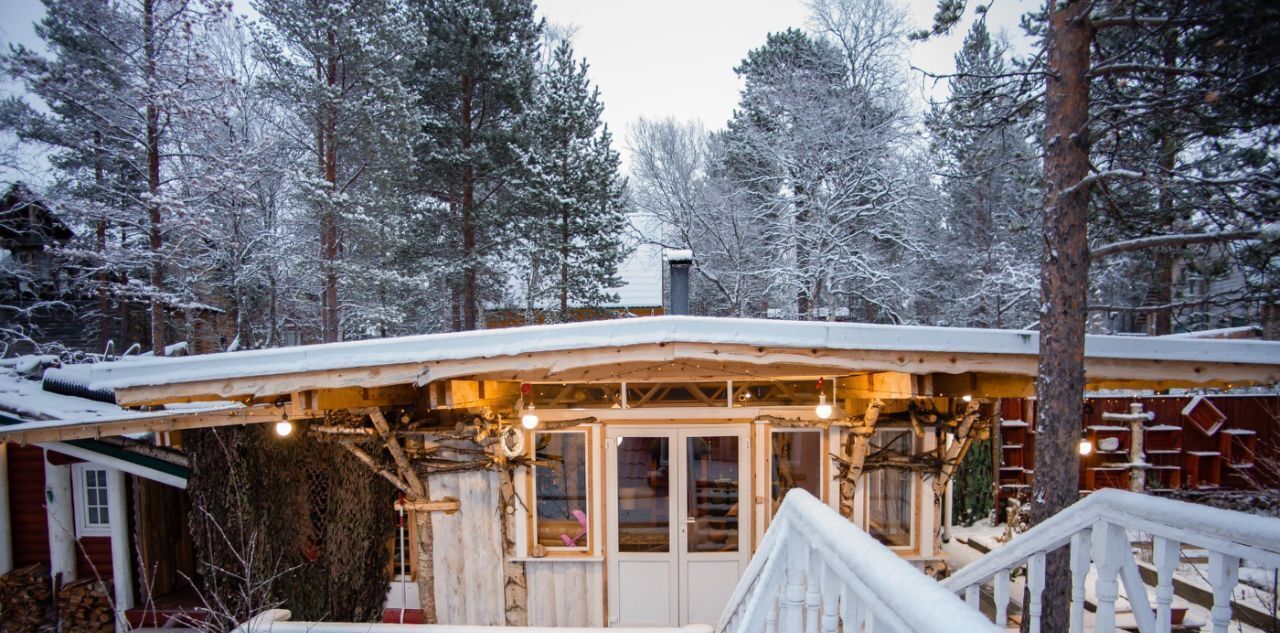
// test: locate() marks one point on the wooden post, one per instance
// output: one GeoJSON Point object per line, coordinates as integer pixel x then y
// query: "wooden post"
{"type": "Point", "coordinates": [6, 525]}
{"type": "Point", "coordinates": [121, 570]}
{"type": "Point", "coordinates": [418, 490]}
{"type": "Point", "coordinates": [515, 584]}
{"type": "Point", "coordinates": [62, 527]}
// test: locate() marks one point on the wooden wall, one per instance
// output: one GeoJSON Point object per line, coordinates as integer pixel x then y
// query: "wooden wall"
{"type": "Point", "coordinates": [30, 527]}
{"type": "Point", "coordinates": [469, 587]}
{"type": "Point", "coordinates": [565, 593]}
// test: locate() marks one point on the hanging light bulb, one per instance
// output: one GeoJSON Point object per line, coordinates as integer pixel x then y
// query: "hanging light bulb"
{"type": "Point", "coordinates": [530, 419]}
{"type": "Point", "coordinates": [967, 398]}
{"type": "Point", "coordinates": [1086, 447]}
{"type": "Point", "coordinates": [823, 410]}
{"type": "Point", "coordinates": [284, 427]}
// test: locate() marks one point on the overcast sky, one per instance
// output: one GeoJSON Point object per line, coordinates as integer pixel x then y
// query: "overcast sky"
{"type": "Point", "coordinates": [658, 58]}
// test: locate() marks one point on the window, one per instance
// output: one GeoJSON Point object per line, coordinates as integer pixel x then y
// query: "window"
{"type": "Point", "coordinates": [92, 517]}
{"type": "Point", "coordinates": [891, 491]}
{"type": "Point", "coordinates": [561, 498]}
{"type": "Point", "coordinates": [795, 461]}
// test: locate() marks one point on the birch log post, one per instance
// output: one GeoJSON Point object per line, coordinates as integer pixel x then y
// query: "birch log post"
{"type": "Point", "coordinates": [417, 491]}
{"type": "Point", "coordinates": [855, 450]}
{"type": "Point", "coordinates": [515, 584]}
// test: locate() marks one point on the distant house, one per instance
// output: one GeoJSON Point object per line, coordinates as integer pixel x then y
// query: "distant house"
{"type": "Point", "coordinates": [641, 292]}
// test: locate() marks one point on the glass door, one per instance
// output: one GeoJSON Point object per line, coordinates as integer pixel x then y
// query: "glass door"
{"type": "Point", "coordinates": [713, 539]}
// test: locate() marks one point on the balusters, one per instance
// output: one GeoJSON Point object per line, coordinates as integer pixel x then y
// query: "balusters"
{"type": "Point", "coordinates": [1224, 572]}
{"type": "Point", "coordinates": [830, 600]}
{"type": "Point", "coordinates": [1000, 587]}
{"type": "Point", "coordinates": [1165, 552]}
{"type": "Point", "coordinates": [1136, 591]}
{"type": "Point", "coordinates": [1109, 544]}
{"type": "Point", "coordinates": [792, 617]}
{"type": "Point", "coordinates": [850, 611]}
{"type": "Point", "coordinates": [1035, 588]}
{"type": "Point", "coordinates": [812, 593]}
{"type": "Point", "coordinates": [972, 594]}
{"type": "Point", "coordinates": [1081, 544]}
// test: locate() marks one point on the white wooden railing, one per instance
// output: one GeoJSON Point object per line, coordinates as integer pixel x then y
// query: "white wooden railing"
{"type": "Point", "coordinates": [279, 621]}
{"type": "Point", "coordinates": [1097, 531]}
{"type": "Point", "coordinates": [815, 572]}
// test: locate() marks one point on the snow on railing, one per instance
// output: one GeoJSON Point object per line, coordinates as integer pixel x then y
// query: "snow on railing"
{"type": "Point", "coordinates": [815, 572]}
{"type": "Point", "coordinates": [278, 621]}
{"type": "Point", "coordinates": [1097, 532]}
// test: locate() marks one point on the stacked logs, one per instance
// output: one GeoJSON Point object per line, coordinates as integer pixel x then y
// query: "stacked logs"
{"type": "Point", "coordinates": [24, 597]}
{"type": "Point", "coordinates": [84, 605]}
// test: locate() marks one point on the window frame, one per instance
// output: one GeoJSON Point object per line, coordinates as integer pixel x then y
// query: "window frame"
{"type": "Point", "coordinates": [80, 490]}
{"type": "Point", "coordinates": [913, 529]}
{"type": "Point", "coordinates": [768, 464]}
{"type": "Point", "coordinates": [588, 548]}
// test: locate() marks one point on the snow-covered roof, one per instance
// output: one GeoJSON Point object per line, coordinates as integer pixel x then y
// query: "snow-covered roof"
{"type": "Point", "coordinates": [641, 271]}
{"type": "Point", "coordinates": [765, 342]}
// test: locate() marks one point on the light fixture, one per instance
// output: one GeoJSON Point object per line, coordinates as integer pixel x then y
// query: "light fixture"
{"type": "Point", "coordinates": [284, 428]}
{"type": "Point", "coordinates": [530, 419]}
{"type": "Point", "coordinates": [1086, 447]}
{"type": "Point", "coordinates": [823, 410]}
{"type": "Point", "coordinates": [967, 398]}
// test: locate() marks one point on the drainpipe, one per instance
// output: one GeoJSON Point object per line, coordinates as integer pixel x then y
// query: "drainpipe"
{"type": "Point", "coordinates": [680, 261]}
{"type": "Point", "coordinates": [6, 525]}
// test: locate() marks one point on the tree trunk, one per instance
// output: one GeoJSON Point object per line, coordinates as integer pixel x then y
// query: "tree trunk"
{"type": "Point", "coordinates": [1064, 286]}
{"type": "Point", "coordinates": [470, 295]}
{"type": "Point", "coordinates": [329, 244]}
{"type": "Point", "coordinates": [153, 179]}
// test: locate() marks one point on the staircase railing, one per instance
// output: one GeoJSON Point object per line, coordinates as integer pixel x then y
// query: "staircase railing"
{"type": "Point", "coordinates": [1097, 531]}
{"type": "Point", "coordinates": [815, 572]}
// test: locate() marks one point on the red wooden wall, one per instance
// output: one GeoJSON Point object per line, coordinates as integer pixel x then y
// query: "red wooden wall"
{"type": "Point", "coordinates": [30, 526]}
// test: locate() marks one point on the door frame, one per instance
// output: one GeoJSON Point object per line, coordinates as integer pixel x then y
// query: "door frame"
{"type": "Point", "coordinates": [677, 554]}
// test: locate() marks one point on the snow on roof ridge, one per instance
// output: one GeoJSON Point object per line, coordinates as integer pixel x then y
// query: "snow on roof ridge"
{"type": "Point", "coordinates": [567, 337]}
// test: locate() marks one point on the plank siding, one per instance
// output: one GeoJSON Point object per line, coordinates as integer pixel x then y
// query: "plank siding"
{"type": "Point", "coordinates": [565, 593]}
{"type": "Point", "coordinates": [30, 525]}
{"type": "Point", "coordinates": [468, 551]}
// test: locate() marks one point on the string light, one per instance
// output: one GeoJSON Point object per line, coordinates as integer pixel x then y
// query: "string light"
{"type": "Point", "coordinates": [284, 427]}
{"type": "Point", "coordinates": [530, 419]}
{"type": "Point", "coordinates": [823, 410]}
{"type": "Point", "coordinates": [1086, 447]}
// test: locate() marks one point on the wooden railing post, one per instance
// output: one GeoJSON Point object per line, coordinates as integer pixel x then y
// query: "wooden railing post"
{"type": "Point", "coordinates": [1224, 572]}
{"type": "Point", "coordinates": [1035, 589]}
{"type": "Point", "coordinates": [830, 600]}
{"type": "Point", "coordinates": [792, 617]}
{"type": "Point", "coordinates": [1165, 552]}
{"type": "Point", "coordinates": [1109, 544]}
{"type": "Point", "coordinates": [1081, 546]}
{"type": "Point", "coordinates": [813, 594]}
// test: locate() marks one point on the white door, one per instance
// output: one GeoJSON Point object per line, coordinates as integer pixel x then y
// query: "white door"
{"type": "Point", "coordinates": [678, 523]}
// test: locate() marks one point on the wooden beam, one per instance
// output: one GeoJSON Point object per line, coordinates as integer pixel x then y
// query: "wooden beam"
{"type": "Point", "coordinates": [372, 464]}
{"type": "Point", "coordinates": [177, 421]}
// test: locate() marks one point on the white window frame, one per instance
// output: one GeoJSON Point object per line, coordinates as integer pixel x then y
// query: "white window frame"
{"type": "Point", "coordinates": [865, 483]}
{"type": "Point", "coordinates": [80, 490]}
{"type": "Point", "coordinates": [588, 464]}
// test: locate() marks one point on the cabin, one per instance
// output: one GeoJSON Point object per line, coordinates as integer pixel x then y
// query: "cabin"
{"type": "Point", "coordinates": [623, 473]}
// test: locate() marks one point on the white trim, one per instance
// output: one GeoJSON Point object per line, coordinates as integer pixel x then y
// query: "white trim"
{"type": "Point", "coordinates": [115, 462]}
{"type": "Point", "coordinates": [80, 489]}
{"type": "Point", "coordinates": [121, 571]}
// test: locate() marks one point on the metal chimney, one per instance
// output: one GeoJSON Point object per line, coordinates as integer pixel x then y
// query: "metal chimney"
{"type": "Point", "coordinates": [679, 261]}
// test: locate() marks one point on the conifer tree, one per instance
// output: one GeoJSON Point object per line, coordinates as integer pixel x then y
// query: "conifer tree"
{"type": "Point", "coordinates": [571, 191]}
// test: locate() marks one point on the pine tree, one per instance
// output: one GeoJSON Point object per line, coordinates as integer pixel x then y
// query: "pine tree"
{"type": "Point", "coordinates": [985, 273]}
{"type": "Point", "coordinates": [474, 75]}
{"type": "Point", "coordinates": [571, 191]}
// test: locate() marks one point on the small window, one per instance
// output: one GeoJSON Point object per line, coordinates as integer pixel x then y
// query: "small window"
{"type": "Point", "coordinates": [891, 491]}
{"type": "Point", "coordinates": [92, 516]}
{"type": "Point", "coordinates": [561, 497]}
{"type": "Point", "coordinates": [795, 461]}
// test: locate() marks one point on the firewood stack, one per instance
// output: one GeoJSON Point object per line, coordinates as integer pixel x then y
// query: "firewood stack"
{"type": "Point", "coordinates": [84, 605]}
{"type": "Point", "coordinates": [24, 598]}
